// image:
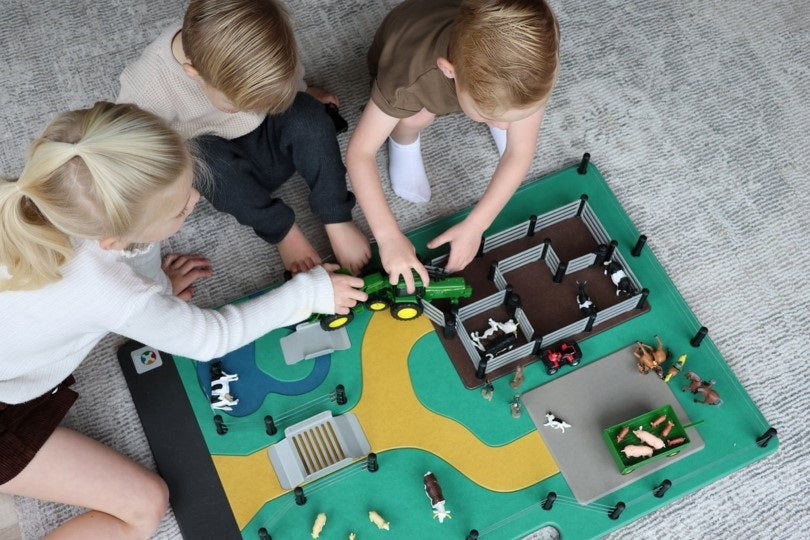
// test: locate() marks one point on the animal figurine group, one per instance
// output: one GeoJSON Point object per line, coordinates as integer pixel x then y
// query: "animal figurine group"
{"type": "Point", "coordinates": [651, 442]}
{"type": "Point", "coordinates": [619, 278]}
{"type": "Point", "coordinates": [699, 386]}
{"type": "Point", "coordinates": [478, 338]}
{"type": "Point", "coordinates": [649, 358]}
{"type": "Point", "coordinates": [643, 443]}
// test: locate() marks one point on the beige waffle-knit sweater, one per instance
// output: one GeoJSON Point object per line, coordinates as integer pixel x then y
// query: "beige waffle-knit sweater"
{"type": "Point", "coordinates": [157, 83]}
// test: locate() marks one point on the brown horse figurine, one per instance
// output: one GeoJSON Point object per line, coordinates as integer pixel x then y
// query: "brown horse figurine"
{"type": "Point", "coordinates": [650, 359]}
{"type": "Point", "coordinates": [699, 386]}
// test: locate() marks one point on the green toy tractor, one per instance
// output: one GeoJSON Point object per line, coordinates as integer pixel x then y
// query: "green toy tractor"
{"type": "Point", "coordinates": [403, 306]}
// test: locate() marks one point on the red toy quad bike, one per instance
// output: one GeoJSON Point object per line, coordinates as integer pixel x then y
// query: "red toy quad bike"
{"type": "Point", "coordinates": [565, 352]}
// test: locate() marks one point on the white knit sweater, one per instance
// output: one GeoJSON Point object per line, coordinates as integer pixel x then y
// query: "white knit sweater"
{"type": "Point", "coordinates": [157, 83]}
{"type": "Point", "coordinates": [46, 333]}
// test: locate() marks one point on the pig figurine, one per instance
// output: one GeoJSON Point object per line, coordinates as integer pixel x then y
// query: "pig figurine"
{"type": "Point", "coordinates": [649, 438]}
{"type": "Point", "coordinates": [637, 450]}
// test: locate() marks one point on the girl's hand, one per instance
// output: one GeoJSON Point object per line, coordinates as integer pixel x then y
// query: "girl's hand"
{"type": "Point", "coordinates": [346, 289]}
{"type": "Point", "coordinates": [183, 270]}
{"type": "Point", "coordinates": [464, 240]}
{"type": "Point", "coordinates": [398, 257]}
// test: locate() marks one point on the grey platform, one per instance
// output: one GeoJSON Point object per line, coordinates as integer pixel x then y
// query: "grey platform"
{"type": "Point", "coordinates": [607, 392]}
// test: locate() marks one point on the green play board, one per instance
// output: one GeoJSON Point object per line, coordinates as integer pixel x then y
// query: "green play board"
{"type": "Point", "coordinates": [396, 490]}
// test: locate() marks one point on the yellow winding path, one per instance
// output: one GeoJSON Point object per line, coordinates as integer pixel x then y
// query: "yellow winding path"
{"type": "Point", "coordinates": [392, 417]}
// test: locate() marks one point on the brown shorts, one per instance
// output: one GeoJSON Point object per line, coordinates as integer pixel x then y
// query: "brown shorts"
{"type": "Point", "coordinates": [25, 427]}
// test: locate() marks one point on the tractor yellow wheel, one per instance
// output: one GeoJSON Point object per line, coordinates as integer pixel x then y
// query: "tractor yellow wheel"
{"type": "Point", "coordinates": [376, 303]}
{"type": "Point", "coordinates": [337, 323]}
{"type": "Point", "coordinates": [406, 311]}
{"type": "Point", "coordinates": [333, 322]}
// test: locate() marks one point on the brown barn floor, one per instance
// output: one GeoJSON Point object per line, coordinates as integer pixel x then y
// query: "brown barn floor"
{"type": "Point", "coordinates": [549, 306]}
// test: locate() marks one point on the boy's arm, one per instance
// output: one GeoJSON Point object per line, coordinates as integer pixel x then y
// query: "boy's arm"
{"type": "Point", "coordinates": [465, 237]}
{"type": "Point", "coordinates": [397, 253]}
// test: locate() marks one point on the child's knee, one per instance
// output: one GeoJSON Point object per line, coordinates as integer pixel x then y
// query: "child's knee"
{"type": "Point", "coordinates": [306, 106]}
{"type": "Point", "coordinates": [310, 116]}
{"type": "Point", "coordinates": [149, 503]}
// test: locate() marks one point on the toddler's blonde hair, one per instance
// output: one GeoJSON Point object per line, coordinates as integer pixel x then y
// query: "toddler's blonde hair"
{"type": "Point", "coordinates": [245, 49]}
{"type": "Point", "coordinates": [505, 52]}
{"type": "Point", "coordinates": [93, 173]}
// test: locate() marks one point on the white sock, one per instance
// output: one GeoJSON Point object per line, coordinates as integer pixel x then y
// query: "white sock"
{"type": "Point", "coordinates": [407, 171]}
{"type": "Point", "coordinates": [500, 138]}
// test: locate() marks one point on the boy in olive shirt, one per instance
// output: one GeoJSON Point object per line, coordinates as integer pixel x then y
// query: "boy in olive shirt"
{"type": "Point", "coordinates": [494, 60]}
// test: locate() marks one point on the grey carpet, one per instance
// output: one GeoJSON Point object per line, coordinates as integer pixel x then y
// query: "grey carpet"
{"type": "Point", "coordinates": [696, 112]}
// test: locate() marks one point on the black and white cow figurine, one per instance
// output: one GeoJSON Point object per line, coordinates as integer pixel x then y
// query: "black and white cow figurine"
{"type": "Point", "coordinates": [586, 305]}
{"type": "Point", "coordinates": [619, 278]}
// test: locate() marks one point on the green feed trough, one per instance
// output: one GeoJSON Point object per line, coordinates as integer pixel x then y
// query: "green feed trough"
{"type": "Point", "coordinates": [674, 441]}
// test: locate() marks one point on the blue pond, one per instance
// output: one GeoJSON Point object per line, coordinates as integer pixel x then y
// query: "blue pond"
{"type": "Point", "coordinates": [254, 384]}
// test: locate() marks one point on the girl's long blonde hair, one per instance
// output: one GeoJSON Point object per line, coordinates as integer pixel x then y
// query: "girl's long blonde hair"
{"type": "Point", "coordinates": [92, 173]}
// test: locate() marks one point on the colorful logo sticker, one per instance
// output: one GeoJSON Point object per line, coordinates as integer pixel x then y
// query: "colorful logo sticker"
{"type": "Point", "coordinates": [146, 359]}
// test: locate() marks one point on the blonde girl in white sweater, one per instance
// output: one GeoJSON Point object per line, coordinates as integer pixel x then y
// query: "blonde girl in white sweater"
{"type": "Point", "coordinates": [96, 183]}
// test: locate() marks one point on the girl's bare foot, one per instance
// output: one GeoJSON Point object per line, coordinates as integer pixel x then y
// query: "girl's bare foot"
{"type": "Point", "coordinates": [296, 252]}
{"type": "Point", "coordinates": [350, 245]}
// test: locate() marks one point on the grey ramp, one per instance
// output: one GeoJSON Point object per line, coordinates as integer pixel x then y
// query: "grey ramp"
{"type": "Point", "coordinates": [581, 453]}
{"type": "Point", "coordinates": [311, 341]}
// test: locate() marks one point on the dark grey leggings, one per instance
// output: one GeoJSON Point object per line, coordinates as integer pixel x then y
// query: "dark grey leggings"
{"type": "Point", "coordinates": [247, 170]}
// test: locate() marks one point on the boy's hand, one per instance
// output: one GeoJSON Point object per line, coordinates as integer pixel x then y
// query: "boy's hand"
{"type": "Point", "coordinates": [398, 257]}
{"type": "Point", "coordinates": [346, 289]}
{"type": "Point", "coordinates": [323, 96]}
{"type": "Point", "coordinates": [183, 270]}
{"type": "Point", "coordinates": [464, 240]}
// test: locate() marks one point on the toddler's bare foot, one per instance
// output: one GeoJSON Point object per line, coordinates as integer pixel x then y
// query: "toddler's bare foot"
{"type": "Point", "coordinates": [350, 245]}
{"type": "Point", "coordinates": [296, 252]}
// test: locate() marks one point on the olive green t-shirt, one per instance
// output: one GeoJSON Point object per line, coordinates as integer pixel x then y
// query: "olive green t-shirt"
{"type": "Point", "coordinates": [402, 59]}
